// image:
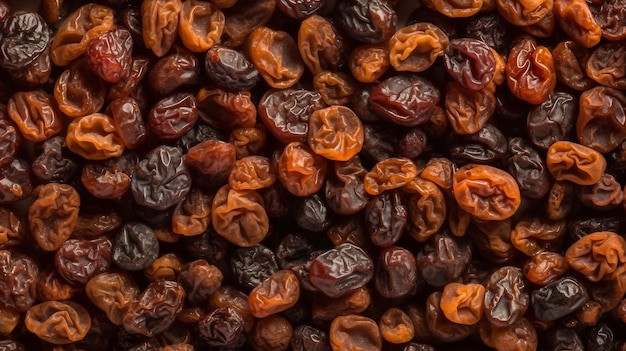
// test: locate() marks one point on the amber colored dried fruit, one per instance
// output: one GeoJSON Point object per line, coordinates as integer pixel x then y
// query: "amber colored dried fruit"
{"type": "Point", "coordinates": [252, 173]}
{"type": "Point", "coordinates": [530, 71]}
{"type": "Point", "coordinates": [560, 199]}
{"type": "Point", "coordinates": [34, 114]}
{"type": "Point", "coordinates": [521, 336]}
{"type": "Point", "coordinates": [468, 110]}
{"type": "Point", "coordinates": [200, 25]}
{"type": "Point", "coordinates": [213, 160]}
{"type": "Point", "coordinates": [77, 30]}
{"type": "Point", "coordinates": [166, 235]}
{"type": "Point", "coordinates": [426, 208]}
{"type": "Point", "coordinates": [51, 11]}
{"type": "Point", "coordinates": [463, 303]}
{"type": "Point", "coordinates": [12, 228]}
{"type": "Point", "coordinates": [249, 141]}
{"type": "Point", "coordinates": [58, 322]}
{"type": "Point", "coordinates": [335, 88]}
{"type": "Point", "coordinates": [355, 332]}
{"type": "Point", "coordinates": [499, 75]}
{"type": "Point", "coordinates": [574, 162]}
{"type": "Point", "coordinates": [577, 21]}
{"type": "Point", "coordinates": [458, 219]}
{"type": "Point", "coordinates": [536, 234]}
{"type": "Point", "coordinates": [570, 59]}
{"type": "Point", "coordinates": [601, 122]}
{"type": "Point", "coordinates": [367, 63]}
{"type": "Point", "coordinates": [389, 174]}
{"type": "Point", "coordinates": [159, 23]}
{"type": "Point", "coordinates": [164, 267]}
{"type": "Point", "coordinates": [325, 308]}
{"type": "Point", "coordinates": [277, 293]}
{"type": "Point", "coordinates": [275, 55]}
{"type": "Point", "coordinates": [545, 267]}
{"type": "Point", "coordinates": [456, 9]}
{"type": "Point", "coordinates": [396, 326]}
{"type": "Point", "coordinates": [192, 215]}
{"type": "Point", "coordinates": [605, 65]}
{"type": "Point", "coordinates": [112, 293]}
{"type": "Point", "coordinates": [94, 137]}
{"type": "Point", "coordinates": [9, 319]}
{"type": "Point", "coordinates": [336, 133]}
{"type": "Point", "coordinates": [320, 44]}
{"type": "Point", "coordinates": [439, 170]}
{"type": "Point", "coordinates": [239, 216]}
{"type": "Point", "coordinates": [300, 170]}
{"type": "Point", "coordinates": [598, 256]}
{"type": "Point", "coordinates": [53, 215]}
{"type": "Point", "coordinates": [524, 12]}
{"type": "Point", "coordinates": [271, 334]}
{"type": "Point", "coordinates": [439, 326]}
{"type": "Point", "coordinates": [109, 179]}
{"type": "Point", "coordinates": [178, 347]}
{"type": "Point", "coordinates": [415, 48]}
{"type": "Point", "coordinates": [590, 312]}
{"type": "Point", "coordinates": [486, 192]}
{"type": "Point", "coordinates": [78, 91]}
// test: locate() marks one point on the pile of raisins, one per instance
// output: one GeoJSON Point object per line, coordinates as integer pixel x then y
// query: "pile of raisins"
{"type": "Point", "coordinates": [312, 175]}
